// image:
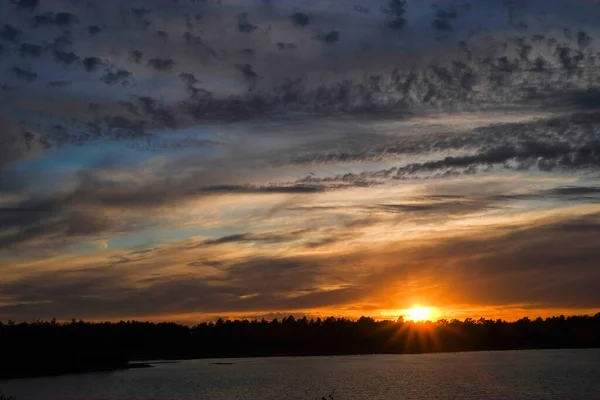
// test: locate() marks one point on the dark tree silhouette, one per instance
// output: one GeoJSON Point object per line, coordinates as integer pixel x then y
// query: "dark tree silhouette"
{"type": "Point", "coordinates": [45, 348]}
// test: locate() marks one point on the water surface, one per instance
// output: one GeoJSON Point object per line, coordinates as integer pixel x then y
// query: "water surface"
{"type": "Point", "coordinates": [545, 374]}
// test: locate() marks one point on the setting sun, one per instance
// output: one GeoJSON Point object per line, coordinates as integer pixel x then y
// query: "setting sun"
{"type": "Point", "coordinates": [418, 313]}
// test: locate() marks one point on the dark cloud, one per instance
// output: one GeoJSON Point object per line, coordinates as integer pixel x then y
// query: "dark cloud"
{"type": "Point", "coordinates": [247, 71]}
{"type": "Point", "coordinates": [396, 9]}
{"type": "Point", "coordinates": [57, 219]}
{"type": "Point", "coordinates": [584, 40]}
{"type": "Point", "coordinates": [161, 64]}
{"type": "Point", "coordinates": [441, 25]}
{"type": "Point", "coordinates": [93, 30]}
{"type": "Point", "coordinates": [65, 57]}
{"type": "Point", "coordinates": [192, 39]}
{"type": "Point", "coordinates": [92, 64]}
{"type": "Point", "coordinates": [137, 56]}
{"type": "Point", "coordinates": [59, 84]}
{"type": "Point", "coordinates": [140, 12]}
{"type": "Point", "coordinates": [465, 206]}
{"type": "Point", "coordinates": [263, 189]}
{"type": "Point", "coordinates": [578, 99]}
{"type": "Point", "coordinates": [244, 25]}
{"type": "Point", "coordinates": [64, 19]}
{"type": "Point", "coordinates": [162, 35]}
{"type": "Point", "coordinates": [492, 77]}
{"type": "Point", "coordinates": [50, 226]}
{"type": "Point", "coordinates": [567, 142]}
{"type": "Point", "coordinates": [10, 33]}
{"type": "Point", "coordinates": [300, 19]}
{"type": "Point", "coordinates": [157, 112]}
{"type": "Point", "coordinates": [550, 265]}
{"type": "Point", "coordinates": [117, 76]}
{"type": "Point", "coordinates": [271, 238]}
{"type": "Point", "coordinates": [16, 143]}
{"type": "Point", "coordinates": [286, 46]}
{"type": "Point", "coordinates": [29, 5]}
{"type": "Point", "coordinates": [574, 191]}
{"type": "Point", "coordinates": [188, 78]}
{"type": "Point", "coordinates": [444, 18]}
{"type": "Point", "coordinates": [248, 52]}
{"type": "Point", "coordinates": [43, 19]}
{"type": "Point", "coordinates": [30, 50]}
{"type": "Point", "coordinates": [130, 107]}
{"type": "Point", "coordinates": [361, 9]}
{"type": "Point", "coordinates": [544, 156]}
{"type": "Point", "coordinates": [63, 41]}
{"type": "Point", "coordinates": [330, 37]}
{"type": "Point", "coordinates": [61, 19]}
{"type": "Point", "coordinates": [24, 75]}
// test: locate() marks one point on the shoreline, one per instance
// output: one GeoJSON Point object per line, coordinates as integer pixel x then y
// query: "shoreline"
{"type": "Point", "coordinates": [349, 354]}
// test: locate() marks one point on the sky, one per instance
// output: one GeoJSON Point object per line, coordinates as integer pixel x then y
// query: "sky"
{"type": "Point", "coordinates": [186, 160]}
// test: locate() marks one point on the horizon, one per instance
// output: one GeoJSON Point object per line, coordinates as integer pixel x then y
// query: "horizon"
{"type": "Point", "coordinates": [297, 317]}
{"type": "Point", "coordinates": [190, 160]}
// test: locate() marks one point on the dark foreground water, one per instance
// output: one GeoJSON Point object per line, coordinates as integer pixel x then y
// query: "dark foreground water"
{"type": "Point", "coordinates": [546, 374]}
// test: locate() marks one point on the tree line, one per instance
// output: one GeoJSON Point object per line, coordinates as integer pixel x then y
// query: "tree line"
{"type": "Point", "coordinates": [53, 347]}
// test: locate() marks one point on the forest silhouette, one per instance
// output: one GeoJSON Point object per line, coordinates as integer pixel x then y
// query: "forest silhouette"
{"type": "Point", "coordinates": [50, 348]}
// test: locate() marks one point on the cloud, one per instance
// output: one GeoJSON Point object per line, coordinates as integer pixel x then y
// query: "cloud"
{"type": "Point", "coordinates": [286, 46]}
{"type": "Point", "coordinates": [248, 71]}
{"type": "Point", "coordinates": [91, 64]}
{"type": "Point", "coordinates": [192, 39]}
{"type": "Point", "coordinates": [30, 50]}
{"type": "Point", "coordinates": [65, 57]}
{"type": "Point", "coordinates": [396, 9]}
{"type": "Point", "coordinates": [161, 64]}
{"type": "Point", "coordinates": [118, 76]}
{"type": "Point", "coordinates": [330, 37]}
{"type": "Point", "coordinates": [188, 78]}
{"type": "Point", "coordinates": [300, 19]}
{"type": "Point", "coordinates": [95, 205]}
{"type": "Point", "coordinates": [10, 33]}
{"type": "Point", "coordinates": [59, 84]}
{"type": "Point", "coordinates": [301, 188]}
{"type": "Point", "coordinates": [537, 263]}
{"type": "Point", "coordinates": [244, 25]}
{"type": "Point", "coordinates": [29, 5]}
{"type": "Point", "coordinates": [574, 191]}
{"type": "Point", "coordinates": [361, 9]}
{"type": "Point", "coordinates": [468, 270]}
{"type": "Point", "coordinates": [435, 81]}
{"type": "Point", "coordinates": [162, 35]}
{"type": "Point", "coordinates": [61, 19]}
{"type": "Point", "coordinates": [93, 30]}
{"type": "Point", "coordinates": [39, 227]}
{"type": "Point", "coordinates": [24, 75]}
{"type": "Point", "coordinates": [272, 238]}
{"type": "Point", "coordinates": [321, 116]}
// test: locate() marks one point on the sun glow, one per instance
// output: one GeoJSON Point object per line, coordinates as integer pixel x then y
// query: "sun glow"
{"type": "Point", "coordinates": [418, 313]}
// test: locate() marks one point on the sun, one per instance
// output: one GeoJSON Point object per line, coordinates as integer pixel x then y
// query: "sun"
{"type": "Point", "coordinates": [418, 313]}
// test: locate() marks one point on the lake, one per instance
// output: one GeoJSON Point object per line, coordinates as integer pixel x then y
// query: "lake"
{"type": "Point", "coordinates": [536, 374]}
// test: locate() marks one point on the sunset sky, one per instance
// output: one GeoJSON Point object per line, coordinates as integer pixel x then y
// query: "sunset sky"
{"type": "Point", "coordinates": [194, 159]}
